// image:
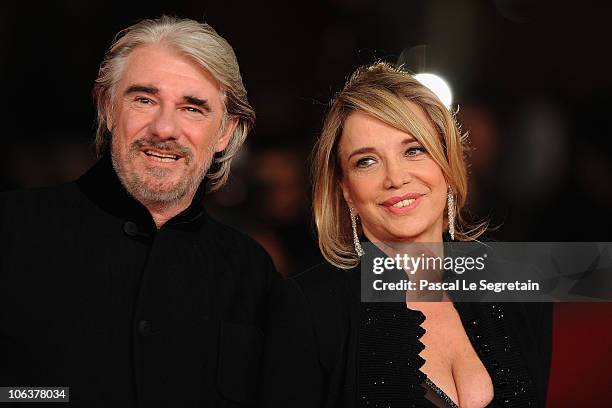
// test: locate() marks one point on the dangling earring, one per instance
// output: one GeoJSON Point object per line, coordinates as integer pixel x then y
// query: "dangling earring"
{"type": "Point", "coordinates": [358, 247]}
{"type": "Point", "coordinates": [451, 213]}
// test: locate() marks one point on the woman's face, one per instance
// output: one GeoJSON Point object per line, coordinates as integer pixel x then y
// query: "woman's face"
{"type": "Point", "coordinates": [396, 188]}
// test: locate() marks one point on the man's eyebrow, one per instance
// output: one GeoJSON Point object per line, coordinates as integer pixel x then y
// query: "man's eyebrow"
{"type": "Point", "coordinates": [142, 88]}
{"type": "Point", "coordinates": [201, 103]}
{"type": "Point", "coordinates": [152, 90]}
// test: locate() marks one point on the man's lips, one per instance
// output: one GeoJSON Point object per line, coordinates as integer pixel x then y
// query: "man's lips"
{"type": "Point", "coordinates": [162, 155]}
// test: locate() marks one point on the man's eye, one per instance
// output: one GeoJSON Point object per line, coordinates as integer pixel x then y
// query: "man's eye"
{"type": "Point", "coordinates": [143, 100]}
{"type": "Point", "coordinates": [192, 109]}
{"type": "Point", "coordinates": [415, 151]}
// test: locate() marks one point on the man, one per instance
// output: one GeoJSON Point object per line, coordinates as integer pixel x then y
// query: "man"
{"type": "Point", "coordinates": [119, 285]}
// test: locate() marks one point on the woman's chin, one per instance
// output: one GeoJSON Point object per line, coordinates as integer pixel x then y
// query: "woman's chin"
{"type": "Point", "coordinates": [412, 235]}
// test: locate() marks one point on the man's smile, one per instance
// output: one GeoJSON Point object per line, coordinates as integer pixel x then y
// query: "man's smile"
{"type": "Point", "coordinates": [162, 156]}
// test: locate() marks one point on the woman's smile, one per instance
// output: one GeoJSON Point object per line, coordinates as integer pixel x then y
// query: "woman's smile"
{"type": "Point", "coordinates": [400, 205]}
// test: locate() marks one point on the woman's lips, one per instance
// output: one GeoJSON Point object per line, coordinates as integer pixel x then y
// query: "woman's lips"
{"type": "Point", "coordinates": [403, 204]}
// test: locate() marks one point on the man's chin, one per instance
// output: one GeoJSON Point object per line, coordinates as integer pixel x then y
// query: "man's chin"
{"type": "Point", "coordinates": [161, 193]}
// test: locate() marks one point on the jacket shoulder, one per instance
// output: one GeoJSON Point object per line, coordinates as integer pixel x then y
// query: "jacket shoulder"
{"type": "Point", "coordinates": [325, 281]}
{"type": "Point", "coordinates": [31, 204]}
{"type": "Point", "coordinates": [236, 242]}
{"type": "Point", "coordinates": [239, 252]}
{"type": "Point", "coordinates": [329, 295]}
{"type": "Point", "coordinates": [30, 196]}
{"type": "Point", "coordinates": [324, 292]}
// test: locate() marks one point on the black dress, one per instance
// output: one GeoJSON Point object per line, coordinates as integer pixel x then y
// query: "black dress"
{"type": "Point", "coordinates": [327, 349]}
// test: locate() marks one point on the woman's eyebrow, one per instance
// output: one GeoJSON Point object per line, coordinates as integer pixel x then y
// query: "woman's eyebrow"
{"type": "Point", "coordinates": [408, 140]}
{"type": "Point", "coordinates": [368, 149]}
{"type": "Point", "coordinates": [362, 150]}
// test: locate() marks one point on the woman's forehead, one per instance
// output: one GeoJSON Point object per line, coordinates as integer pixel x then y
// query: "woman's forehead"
{"type": "Point", "coordinates": [361, 128]}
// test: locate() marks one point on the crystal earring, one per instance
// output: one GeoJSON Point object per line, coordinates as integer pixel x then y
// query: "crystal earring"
{"type": "Point", "coordinates": [451, 213]}
{"type": "Point", "coordinates": [358, 247]}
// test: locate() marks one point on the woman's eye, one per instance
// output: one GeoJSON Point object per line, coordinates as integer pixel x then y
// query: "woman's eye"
{"type": "Point", "coordinates": [364, 162]}
{"type": "Point", "coordinates": [415, 151]}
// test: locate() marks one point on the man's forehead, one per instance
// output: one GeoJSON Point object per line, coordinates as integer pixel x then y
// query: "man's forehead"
{"type": "Point", "coordinates": [161, 67]}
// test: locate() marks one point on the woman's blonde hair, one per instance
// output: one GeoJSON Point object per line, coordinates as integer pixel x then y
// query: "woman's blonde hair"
{"type": "Point", "coordinates": [381, 90]}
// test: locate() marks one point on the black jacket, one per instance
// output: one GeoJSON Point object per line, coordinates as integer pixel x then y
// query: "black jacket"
{"type": "Point", "coordinates": [94, 297]}
{"type": "Point", "coordinates": [327, 349]}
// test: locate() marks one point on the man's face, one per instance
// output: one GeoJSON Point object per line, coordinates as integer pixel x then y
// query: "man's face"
{"type": "Point", "coordinates": [166, 124]}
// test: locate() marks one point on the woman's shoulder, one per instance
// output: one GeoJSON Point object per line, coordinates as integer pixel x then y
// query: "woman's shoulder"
{"type": "Point", "coordinates": [324, 293]}
{"type": "Point", "coordinates": [325, 278]}
{"type": "Point", "coordinates": [327, 283]}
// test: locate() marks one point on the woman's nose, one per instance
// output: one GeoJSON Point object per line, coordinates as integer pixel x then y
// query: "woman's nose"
{"type": "Point", "coordinates": [396, 175]}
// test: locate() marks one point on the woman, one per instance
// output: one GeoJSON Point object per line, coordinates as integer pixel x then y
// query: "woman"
{"type": "Point", "coordinates": [389, 169]}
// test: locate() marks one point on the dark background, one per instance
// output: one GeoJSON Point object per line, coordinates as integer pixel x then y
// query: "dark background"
{"type": "Point", "coordinates": [532, 81]}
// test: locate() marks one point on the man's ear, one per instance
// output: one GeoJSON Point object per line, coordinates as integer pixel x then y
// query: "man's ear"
{"type": "Point", "coordinates": [346, 193]}
{"type": "Point", "coordinates": [224, 139]}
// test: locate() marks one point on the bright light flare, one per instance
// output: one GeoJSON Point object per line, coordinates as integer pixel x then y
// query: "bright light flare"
{"type": "Point", "coordinates": [438, 86]}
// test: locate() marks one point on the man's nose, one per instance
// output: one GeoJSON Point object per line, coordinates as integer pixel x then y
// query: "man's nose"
{"type": "Point", "coordinates": [164, 123]}
{"type": "Point", "coordinates": [397, 174]}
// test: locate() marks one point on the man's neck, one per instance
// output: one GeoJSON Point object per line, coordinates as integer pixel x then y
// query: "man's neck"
{"type": "Point", "coordinates": [162, 212]}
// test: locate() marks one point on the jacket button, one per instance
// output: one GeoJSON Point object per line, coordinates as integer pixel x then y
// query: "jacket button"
{"type": "Point", "coordinates": [144, 328]}
{"type": "Point", "coordinates": [130, 228]}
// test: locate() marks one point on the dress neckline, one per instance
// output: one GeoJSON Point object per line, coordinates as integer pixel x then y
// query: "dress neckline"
{"type": "Point", "coordinates": [440, 399]}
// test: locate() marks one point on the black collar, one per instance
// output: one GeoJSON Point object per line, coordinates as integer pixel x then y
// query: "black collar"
{"type": "Point", "coordinates": [103, 187]}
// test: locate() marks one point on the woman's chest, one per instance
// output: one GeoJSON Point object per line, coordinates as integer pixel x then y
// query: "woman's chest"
{"type": "Point", "coordinates": [451, 362]}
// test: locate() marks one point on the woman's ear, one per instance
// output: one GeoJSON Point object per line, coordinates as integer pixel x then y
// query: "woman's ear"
{"type": "Point", "coordinates": [346, 193]}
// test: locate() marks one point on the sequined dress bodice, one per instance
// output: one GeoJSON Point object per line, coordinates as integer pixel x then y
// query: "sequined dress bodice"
{"type": "Point", "coordinates": [389, 360]}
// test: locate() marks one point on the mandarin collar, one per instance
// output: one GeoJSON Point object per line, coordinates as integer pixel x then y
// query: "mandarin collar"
{"type": "Point", "coordinates": [103, 187]}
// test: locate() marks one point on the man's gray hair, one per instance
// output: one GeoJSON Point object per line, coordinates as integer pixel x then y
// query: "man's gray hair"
{"type": "Point", "coordinates": [198, 41]}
